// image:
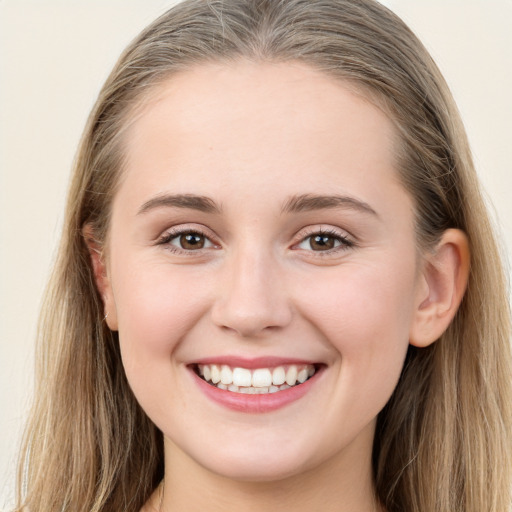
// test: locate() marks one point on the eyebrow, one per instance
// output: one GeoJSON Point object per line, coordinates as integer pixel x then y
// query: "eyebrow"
{"type": "Point", "coordinates": [190, 201]}
{"type": "Point", "coordinates": [300, 203]}
{"type": "Point", "coordinates": [309, 202]}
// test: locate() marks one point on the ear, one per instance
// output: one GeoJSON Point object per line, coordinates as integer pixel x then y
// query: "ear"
{"type": "Point", "coordinates": [443, 283]}
{"type": "Point", "coordinates": [101, 276]}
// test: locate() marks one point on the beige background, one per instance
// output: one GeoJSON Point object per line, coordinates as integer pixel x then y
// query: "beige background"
{"type": "Point", "coordinates": [54, 56]}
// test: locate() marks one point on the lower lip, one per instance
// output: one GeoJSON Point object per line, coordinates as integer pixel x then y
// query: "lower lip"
{"type": "Point", "coordinates": [255, 403]}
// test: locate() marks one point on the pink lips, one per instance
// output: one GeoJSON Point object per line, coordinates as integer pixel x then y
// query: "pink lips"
{"type": "Point", "coordinates": [253, 363]}
{"type": "Point", "coordinates": [253, 403]}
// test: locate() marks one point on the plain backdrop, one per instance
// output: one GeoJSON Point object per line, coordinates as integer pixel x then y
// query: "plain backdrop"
{"type": "Point", "coordinates": [54, 57]}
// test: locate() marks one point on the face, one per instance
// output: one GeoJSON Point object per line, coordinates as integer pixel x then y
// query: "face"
{"type": "Point", "coordinates": [260, 236]}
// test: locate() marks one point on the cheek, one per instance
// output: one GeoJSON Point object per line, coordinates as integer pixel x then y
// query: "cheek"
{"type": "Point", "coordinates": [365, 314]}
{"type": "Point", "coordinates": [361, 302]}
{"type": "Point", "coordinates": [156, 307]}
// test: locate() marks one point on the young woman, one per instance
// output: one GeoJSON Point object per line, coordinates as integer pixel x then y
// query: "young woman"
{"type": "Point", "coordinates": [278, 285]}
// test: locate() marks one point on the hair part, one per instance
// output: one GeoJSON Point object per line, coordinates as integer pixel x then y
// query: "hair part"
{"type": "Point", "coordinates": [443, 440]}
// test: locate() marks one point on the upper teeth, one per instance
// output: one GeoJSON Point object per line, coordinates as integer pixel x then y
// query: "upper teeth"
{"type": "Point", "coordinates": [259, 378]}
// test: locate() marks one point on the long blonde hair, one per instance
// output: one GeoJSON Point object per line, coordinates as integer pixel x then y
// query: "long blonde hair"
{"type": "Point", "coordinates": [443, 440]}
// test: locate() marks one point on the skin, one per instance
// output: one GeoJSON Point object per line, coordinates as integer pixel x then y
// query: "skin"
{"type": "Point", "coordinates": [249, 137]}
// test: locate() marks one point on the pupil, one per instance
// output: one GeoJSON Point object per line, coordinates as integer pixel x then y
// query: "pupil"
{"type": "Point", "coordinates": [322, 242]}
{"type": "Point", "coordinates": [192, 241]}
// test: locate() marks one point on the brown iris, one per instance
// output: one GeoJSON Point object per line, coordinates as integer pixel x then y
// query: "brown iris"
{"type": "Point", "coordinates": [192, 241]}
{"type": "Point", "coordinates": [322, 242]}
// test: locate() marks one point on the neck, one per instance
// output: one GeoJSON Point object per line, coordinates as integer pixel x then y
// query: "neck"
{"type": "Point", "coordinates": [341, 484]}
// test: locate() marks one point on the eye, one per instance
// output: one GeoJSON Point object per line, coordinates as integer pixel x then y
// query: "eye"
{"type": "Point", "coordinates": [188, 240]}
{"type": "Point", "coordinates": [324, 242]}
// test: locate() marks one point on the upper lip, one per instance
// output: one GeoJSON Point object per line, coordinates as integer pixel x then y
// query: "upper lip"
{"type": "Point", "coordinates": [252, 363]}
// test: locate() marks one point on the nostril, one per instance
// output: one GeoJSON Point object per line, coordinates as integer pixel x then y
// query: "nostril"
{"type": "Point", "coordinates": [250, 301]}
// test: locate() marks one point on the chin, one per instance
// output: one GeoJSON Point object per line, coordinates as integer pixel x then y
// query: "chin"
{"type": "Point", "coordinates": [257, 471]}
{"type": "Point", "coordinates": [248, 459]}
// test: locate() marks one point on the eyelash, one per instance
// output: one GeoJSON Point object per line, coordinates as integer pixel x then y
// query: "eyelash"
{"type": "Point", "coordinates": [344, 242]}
{"type": "Point", "coordinates": [171, 235]}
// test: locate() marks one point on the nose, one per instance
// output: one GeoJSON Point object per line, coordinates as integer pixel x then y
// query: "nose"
{"type": "Point", "coordinates": [252, 298]}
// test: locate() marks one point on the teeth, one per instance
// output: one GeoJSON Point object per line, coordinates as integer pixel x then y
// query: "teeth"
{"type": "Point", "coordinates": [226, 375]}
{"type": "Point", "coordinates": [302, 376]}
{"type": "Point", "coordinates": [215, 374]}
{"type": "Point", "coordinates": [258, 381]}
{"type": "Point", "coordinates": [279, 375]}
{"type": "Point", "coordinates": [241, 377]}
{"type": "Point", "coordinates": [291, 375]}
{"type": "Point", "coordinates": [261, 378]}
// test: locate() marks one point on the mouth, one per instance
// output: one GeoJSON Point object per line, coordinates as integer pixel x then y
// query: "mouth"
{"type": "Point", "coordinates": [256, 381]}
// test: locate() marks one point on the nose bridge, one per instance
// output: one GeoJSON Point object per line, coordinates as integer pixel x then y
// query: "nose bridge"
{"type": "Point", "coordinates": [252, 297]}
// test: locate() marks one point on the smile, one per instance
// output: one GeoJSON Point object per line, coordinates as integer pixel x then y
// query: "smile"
{"type": "Point", "coordinates": [257, 385]}
{"type": "Point", "coordinates": [256, 381]}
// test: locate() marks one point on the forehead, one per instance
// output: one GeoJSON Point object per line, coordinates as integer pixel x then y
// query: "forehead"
{"type": "Point", "coordinates": [247, 122]}
{"type": "Point", "coordinates": [244, 90]}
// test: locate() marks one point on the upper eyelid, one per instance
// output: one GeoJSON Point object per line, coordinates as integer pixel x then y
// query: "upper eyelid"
{"type": "Point", "coordinates": [323, 229]}
{"type": "Point", "coordinates": [187, 228]}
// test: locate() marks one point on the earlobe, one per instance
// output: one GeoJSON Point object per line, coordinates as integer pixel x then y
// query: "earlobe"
{"type": "Point", "coordinates": [101, 276]}
{"type": "Point", "coordinates": [444, 280]}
